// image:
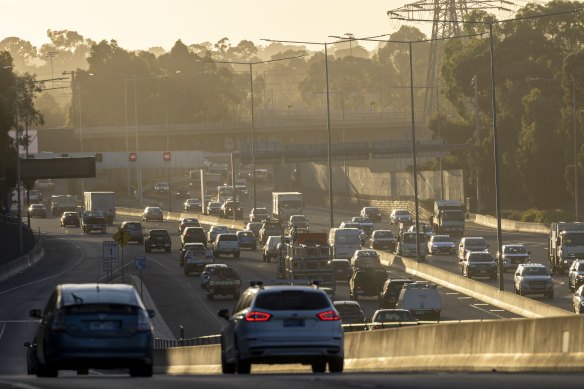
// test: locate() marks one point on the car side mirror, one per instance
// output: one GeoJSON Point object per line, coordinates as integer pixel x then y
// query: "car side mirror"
{"type": "Point", "coordinates": [151, 313]}
{"type": "Point", "coordinates": [224, 313]}
{"type": "Point", "coordinates": [36, 313]}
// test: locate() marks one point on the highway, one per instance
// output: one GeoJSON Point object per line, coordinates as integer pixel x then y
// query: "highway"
{"type": "Point", "coordinates": [74, 257]}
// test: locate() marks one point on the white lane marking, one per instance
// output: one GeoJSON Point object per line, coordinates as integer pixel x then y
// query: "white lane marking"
{"type": "Point", "coordinates": [3, 328]}
{"type": "Point", "coordinates": [452, 293]}
{"type": "Point", "coordinates": [18, 385]}
{"type": "Point", "coordinates": [485, 311]}
{"type": "Point", "coordinates": [481, 304]}
{"type": "Point", "coordinates": [496, 310]}
{"type": "Point", "coordinates": [464, 298]}
{"type": "Point", "coordinates": [81, 257]}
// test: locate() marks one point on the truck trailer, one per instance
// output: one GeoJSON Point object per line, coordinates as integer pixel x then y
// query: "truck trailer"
{"type": "Point", "coordinates": [566, 244]}
{"type": "Point", "coordinates": [101, 201]}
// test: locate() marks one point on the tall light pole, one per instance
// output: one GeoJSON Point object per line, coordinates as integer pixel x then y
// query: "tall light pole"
{"type": "Point", "coordinates": [489, 24]}
{"type": "Point", "coordinates": [413, 128]}
{"type": "Point", "coordinates": [251, 64]}
{"type": "Point", "coordinates": [576, 210]}
{"type": "Point", "coordinates": [474, 83]}
{"type": "Point", "coordinates": [328, 118]}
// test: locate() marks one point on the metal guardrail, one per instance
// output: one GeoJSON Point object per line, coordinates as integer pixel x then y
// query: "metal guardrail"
{"type": "Point", "coordinates": [160, 343]}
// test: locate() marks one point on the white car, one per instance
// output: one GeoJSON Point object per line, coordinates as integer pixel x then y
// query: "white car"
{"type": "Point", "coordinates": [578, 300]}
{"type": "Point", "coordinates": [533, 278]}
{"type": "Point", "coordinates": [282, 324]}
{"type": "Point", "coordinates": [441, 244]}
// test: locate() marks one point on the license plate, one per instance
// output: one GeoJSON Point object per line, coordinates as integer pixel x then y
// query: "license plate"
{"type": "Point", "coordinates": [293, 322]}
{"type": "Point", "coordinates": [420, 312]}
{"type": "Point", "coordinates": [102, 325]}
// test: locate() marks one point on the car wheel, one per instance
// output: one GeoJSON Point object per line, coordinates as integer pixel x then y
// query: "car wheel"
{"type": "Point", "coordinates": [141, 371]}
{"type": "Point", "coordinates": [227, 368]}
{"type": "Point", "coordinates": [243, 367]}
{"type": "Point", "coordinates": [318, 367]}
{"type": "Point", "coordinates": [83, 371]}
{"type": "Point", "coordinates": [46, 370]}
{"type": "Point", "coordinates": [336, 365]}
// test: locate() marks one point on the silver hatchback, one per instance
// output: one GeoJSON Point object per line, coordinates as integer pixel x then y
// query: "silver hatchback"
{"type": "Point", "coordinates": [282, 324]}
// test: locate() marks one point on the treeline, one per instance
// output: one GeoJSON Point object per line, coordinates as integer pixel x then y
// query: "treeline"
{"type": "Point", "coordinates": [538, 62]}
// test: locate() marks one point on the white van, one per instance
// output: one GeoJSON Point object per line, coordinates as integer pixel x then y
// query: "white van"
{"type": "Point", "coordinates": [422, 299]}
{"type": "Point", "coordinates": [344, 241]}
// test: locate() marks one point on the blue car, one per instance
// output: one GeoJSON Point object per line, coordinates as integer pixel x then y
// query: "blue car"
{"type": "Point", "coordinates": [247, 240]}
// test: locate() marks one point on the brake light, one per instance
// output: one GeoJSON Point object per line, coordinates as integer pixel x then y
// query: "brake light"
{"type": "Point", "coordinates": [257, 316]}
{"type": "Point", "coordinates": [328, 316]}
{"type": "Point", "coordinates": [143, 321]}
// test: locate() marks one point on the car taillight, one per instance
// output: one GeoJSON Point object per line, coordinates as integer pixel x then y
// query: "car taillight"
{"type": "Point", "coordinates": [328, 316]}
{"type": "Point", "coordinates": [257, 316]}
{"type": "Point", "coordinates": [58, 324]}
{"type": "Point", "coordinates": [143, 321]}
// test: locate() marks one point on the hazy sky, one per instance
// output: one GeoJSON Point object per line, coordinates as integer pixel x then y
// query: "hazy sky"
{"type": "Point", "coordinates": [140, 24]}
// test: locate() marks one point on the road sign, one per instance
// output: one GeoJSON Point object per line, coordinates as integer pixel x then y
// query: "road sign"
{"type": "Point", "coordinates": [140, 263]}
{"type": "Point", "coordinates": [166, 156]}
{"type": "Point", "coordinates": [110, 250]}
{"type": "Point", "coordinates": [122, 237]}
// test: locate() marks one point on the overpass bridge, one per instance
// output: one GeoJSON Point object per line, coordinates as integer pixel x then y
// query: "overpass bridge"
{"type": "Point", "coordinates": [231, 135]}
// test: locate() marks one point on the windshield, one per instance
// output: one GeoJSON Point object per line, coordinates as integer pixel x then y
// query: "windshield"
{"type": "Point", "coordinates": [383, 234]}
{"type": "Point", "coordinates": [453, 215]}
{"type": "Point", "coordinates": [402, 213]}
{"type": "Point", "coordinates": [535, 271]}
{"type": "Point", "coordinates": [482, 257]}
{"type": "Point", "coordinates": [443, 239]}
{"type": "Point", "coordinates": [571, 239]}
{"type": "Point", "coordinates": [515, 250]}
{"type": "Point", "coordinates": [352, 239]}
{"type": "Point", "coordinates": [475, 242]}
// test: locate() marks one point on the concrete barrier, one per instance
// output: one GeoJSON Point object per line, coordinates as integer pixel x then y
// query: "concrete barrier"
{"type": "Point", "coordinates": [210, 220]}
{"type": "Point", "coordinates": [512, 225]}
{"type": "Point", "coordinates": [512, 345]}
{"type": "Point", "coordinates": [520, 305]}
{"type": "Point", "coordinates": [20, 264]}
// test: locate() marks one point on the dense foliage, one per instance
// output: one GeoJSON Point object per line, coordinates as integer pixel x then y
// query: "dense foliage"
{"type": "Point", "coordinates": [539, 64]}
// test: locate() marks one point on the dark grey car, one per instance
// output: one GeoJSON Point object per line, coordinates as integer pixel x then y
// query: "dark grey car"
{"type": "Point", "coordinates": [92, 326]}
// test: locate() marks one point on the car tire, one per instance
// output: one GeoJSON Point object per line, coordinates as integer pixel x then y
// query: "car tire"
{"type": "Point", "coordinates": [336, 365]}
{"type": "Point", "coordinates": [43, 370]}
{"type": "Point", "coordinates": [243, 367]}
{"type": "Point", "coordinates": [141, 371]}
{"type": "Point", "coordinates": [227, 368]}
{"type": "Point", "coordinates": [319, 367]}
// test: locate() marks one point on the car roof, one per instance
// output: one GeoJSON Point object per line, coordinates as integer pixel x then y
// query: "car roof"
{"type": "Point", "coordinates": [72, 294]}
{"type": "Point", "coordinates": [347, 302]}
{"type": "Point", "coordinates": [531, 265]}
{"type": "Point", "coordinates": [282, 288]}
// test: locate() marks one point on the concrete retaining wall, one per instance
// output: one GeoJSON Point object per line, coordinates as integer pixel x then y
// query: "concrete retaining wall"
{"type": "Point", "coordinates": [512, 225]}
{"type": "Point", "coordinates": [20, 264]}
{"type": "Point", "coordinates": [513, 345]}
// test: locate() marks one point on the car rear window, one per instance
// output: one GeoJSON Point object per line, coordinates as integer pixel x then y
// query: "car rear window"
{"type": "Point", "coordinates": [118, 309]}
{"type": "Point", "coordinates": [225, 272]}
{"type": "Point", "coordinates": [384, 234]}
{"type": "Point", "coordinates": [158, 233]}
{"type": "Point", "coordinates": [292, 300]}
{"type": "Point", "coordinates": [132, 226]}
{"type": "Point", "coordinates": [228, 237]}
{"type": "Point", "coordinates": [349, 311]}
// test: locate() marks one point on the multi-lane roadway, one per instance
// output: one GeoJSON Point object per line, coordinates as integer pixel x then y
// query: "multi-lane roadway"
{"type": "Point", "coordinates": [74, 257]}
